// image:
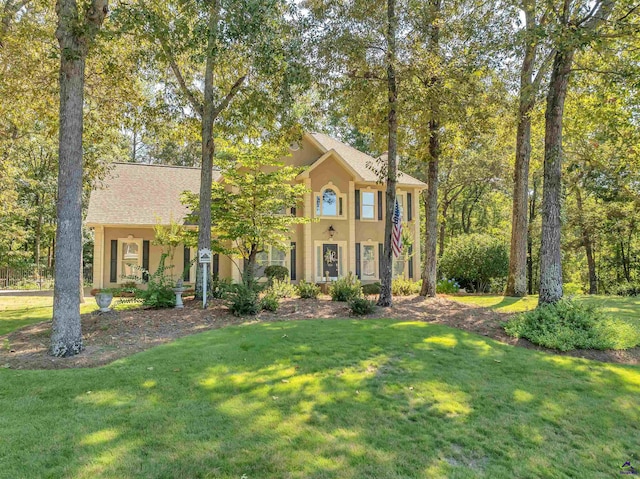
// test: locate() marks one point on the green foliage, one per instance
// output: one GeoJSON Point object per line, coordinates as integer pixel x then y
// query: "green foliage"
{"type": "Point", "coordinates": [371, 289]}
{"type": "Point", "coordinates": [405, 287]}
{"type": "Point", "coordinates": [221, 287]}
{"type": "Point", "coordinates": [567, 288]}
{"type": "Point", "coordinates": [308, 290]}
{"type": "Point", "coordinates": [626, 289]}
{"type": "Point", "coordinates": [276, 271]}
{"type": "Point", "coordinates": [270, 302]}
{"type": "Point", "coordinates": [345, 288]}
{"type": "Point", "coordinates": [159, 292]}
{"type": "Point", "coordinates": [568, 325]}
{"type": "Point", "coordinates": [361, 306]}
{"type": "Point", "coordinates": [498, 285]}
{"type": "Point", "coordinates": [247, 203]}
{"type": "Point", "coordinates": [281, 289]}
{"type": "Point", "coordinates": [243, 300]}
{"type": "Point", "coordinates": [474, 260]}
{"type": "Point", "coordinates": [447, 286]}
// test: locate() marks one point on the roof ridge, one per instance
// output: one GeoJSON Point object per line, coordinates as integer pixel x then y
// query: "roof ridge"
{"type": "Point", "coordinates": [133, 163]}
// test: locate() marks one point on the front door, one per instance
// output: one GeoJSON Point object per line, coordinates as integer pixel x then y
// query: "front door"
{"type": "Point", "coordinates": [330, 260]}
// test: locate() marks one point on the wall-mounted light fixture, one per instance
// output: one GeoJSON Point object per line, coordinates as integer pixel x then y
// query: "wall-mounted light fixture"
{"type": "Point", "coordinates": [331, 231]}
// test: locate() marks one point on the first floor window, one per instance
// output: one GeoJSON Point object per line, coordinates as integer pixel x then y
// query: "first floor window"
{"type": "Point", "coordinates": [270, 256]}
{"type": "Point", "coordinates": [399, 266]}
{"type": "Point", "coordinates": [368, 261]}
{"type": "Point", "coordinates": [130, 257]}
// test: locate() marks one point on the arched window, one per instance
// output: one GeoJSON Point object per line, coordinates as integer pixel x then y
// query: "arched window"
{"type": "Point", "coordinates": [329, 202]}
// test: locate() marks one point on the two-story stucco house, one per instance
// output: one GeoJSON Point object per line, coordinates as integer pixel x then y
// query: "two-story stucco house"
{"type": "Point", "coordinates": [345, 200]}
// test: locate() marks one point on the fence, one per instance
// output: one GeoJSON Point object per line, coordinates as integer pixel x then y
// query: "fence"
{"type": "Point", "coordinates": [27, 278]}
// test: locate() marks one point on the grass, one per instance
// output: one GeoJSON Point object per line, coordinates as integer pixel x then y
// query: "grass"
{"type": "Point", "coordinates": [627, 308]}
{"type": "Point", "coordinates": [324, 399]}
{"type": "Point", "coordinates": [19, 311]}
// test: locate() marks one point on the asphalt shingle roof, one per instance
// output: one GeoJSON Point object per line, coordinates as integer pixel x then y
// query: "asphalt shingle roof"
{"type": "Point", "coordinates": [139, 194]}
{"type": "Point", "coordinates": [365, 165]}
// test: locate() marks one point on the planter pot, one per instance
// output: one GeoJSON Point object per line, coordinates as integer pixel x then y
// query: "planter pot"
{"type": "Point", "coordinates": [104, 301]}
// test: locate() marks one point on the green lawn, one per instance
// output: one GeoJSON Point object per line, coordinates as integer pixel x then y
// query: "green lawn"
{"type": "Point", "coordinates": [627, 308]}
{"type": "Point", "coordinates": [324, 399]}
{"type": "Point", "coordinates": [19, 311]}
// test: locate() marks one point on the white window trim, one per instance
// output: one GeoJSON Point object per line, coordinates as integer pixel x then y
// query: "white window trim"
{"type": "Point", "coordinates": [342, 259]}
{"type": "Point", "coordinates": [403, 194]}
{"type": "Point", "coordinates": [287, 258]}
{"type": "Point", "coordinates": [375, 204]}
{"type": "Point", "coordinates": [139, 242]}
{"type": "Point", "coordinates": [405, 270]}
{"type": "Point", "coordinates": [339, 196]}
{"type": "Point", "coordinates": [376, 263]}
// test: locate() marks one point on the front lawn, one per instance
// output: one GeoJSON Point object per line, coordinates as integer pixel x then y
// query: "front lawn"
{"type": "Point", "coordinates": [19, 311]}
{"type": "Point", "coordinates": [324, 399]}
{"type": "Point", "coordinates": [627, 308]}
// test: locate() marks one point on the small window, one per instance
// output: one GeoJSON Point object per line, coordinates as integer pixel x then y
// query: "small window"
{"type": "Point", "coordinates": [368, 261]}
{"type": "Point", "coordinates": [368, 205]}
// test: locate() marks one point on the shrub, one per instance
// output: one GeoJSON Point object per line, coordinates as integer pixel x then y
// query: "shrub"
{"type": "Point", "coordinates": [371, 289]}
{"type": "Point", "coordinates": [281, 289]}
{"type": "Point", "coordinates": [405, 287]}
{"type": "Point", "coordinates": [569, 324]}
{"type": "Point", "coordinates": [498, 285]}
{"type": "Point", "coordinates": [159, 292]}
{"type": "Point", "coordinates": [572, 288]}
{"type": "Point", "coordinates": [447, 286]}
{"type": "Point", "coordinates": [243, 300]}
{"type": "Point", "coordinates": [345, 288]}
{"type": "Point", "coordinates": [474, 260]}
{"type": "Point", "coordinates": [275, 271]}
{"type": "Point", "coordinates": [220, 288]}
{"type": "Point", "coordinates": [308, 290]}
{"type": "Point", "coordinates": [270, 302]}
{"type": "Point", "coordinates": [361, 306]}
{"type": "Point", "coordinates": [626, 289]}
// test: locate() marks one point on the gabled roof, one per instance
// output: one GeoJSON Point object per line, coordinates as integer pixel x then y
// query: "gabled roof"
{"type": "Point", "coordinates": [366, 166]}
{"type": "Point", "coordinates": [140, 194]}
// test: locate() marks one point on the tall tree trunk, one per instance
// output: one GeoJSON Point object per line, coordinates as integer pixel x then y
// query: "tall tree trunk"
{"type": "Point", "coordinates": [517, 278]}
{"type": "Point", "coordinates": [429, 275]}
{"type": "Point", "coordinates": [208, 147]}
{"type": "Point", "coordinates": [532, 216]}
{"type": "Point", "coordinates": [587, 242]}
{"type": "Point", "coordinates": [385, 298]}
{"type": "Point", "coordinates": [550, 255]}
{"type": "Point", "coordinates": [38, 233]}
{"type": "Point", "coordinates": [74, 35]}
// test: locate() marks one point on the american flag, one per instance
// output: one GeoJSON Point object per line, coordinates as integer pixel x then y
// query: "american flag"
{"type": "Point", "coordinates": [396, 236]}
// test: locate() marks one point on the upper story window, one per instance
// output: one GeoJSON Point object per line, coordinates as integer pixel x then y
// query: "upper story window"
{"type": "Point", "coordinates": [330, 202]}
{"type": "Point", "coordinates": [368, 204]}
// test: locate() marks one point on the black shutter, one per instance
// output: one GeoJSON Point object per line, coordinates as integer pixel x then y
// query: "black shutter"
{"type": "Point", "coordinates": [113, 271]}
{"type": "Point", "coordinates": [410, 261]}
{"type": "Point", "coordinates": [340, 207]}
{"type": "Point", "coordinates": [358, 265]}
{"type": "Point", "coordinates": [380, 253]}
{"type": "Point", "coordinates": [379, 205]}
{"type": "Point", "coordinates": [215, 266]}
{"type": "Point", "coordinates": [357, 204]}
{"type": "Point", "coordinates": [293, 211]}
{"type": "Point", "coordinates": [186, 269]}
{"type": "Point", "coordinates": [145, 260]}
{"type": "Point", "coordinates": [292, 271]}
{"type": "Point", "coordinates": [409, 208]}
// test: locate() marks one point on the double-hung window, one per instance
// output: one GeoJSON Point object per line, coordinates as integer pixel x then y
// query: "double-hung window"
{"type": "Point", "coordinates": [368, 205]}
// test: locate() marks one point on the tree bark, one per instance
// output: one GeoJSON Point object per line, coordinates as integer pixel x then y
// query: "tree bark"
{"type": "Point", "coordinates": [517, 278]}
{"type": "Point", "coordinates": [74, 36]}
{"type": "Point", "coordinates": [429, 274]}
{"type": "Point", "coordinates": [587, 242]}
{"type": "Point", "coordinates": [532, 216]}
{"type": "Point", "coordinates": [208, 148]}
{"type": "Point", "coordinates": [385, 298]}
{"type": "Point", "coordinates": [550, 254]}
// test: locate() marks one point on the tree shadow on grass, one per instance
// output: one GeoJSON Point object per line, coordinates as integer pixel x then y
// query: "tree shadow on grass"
{"type": "Point", "coordinates": [324, 399]}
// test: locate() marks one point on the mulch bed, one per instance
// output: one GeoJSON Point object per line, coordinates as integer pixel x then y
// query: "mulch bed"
{"type": "Point", "coordinates": [114, 335]}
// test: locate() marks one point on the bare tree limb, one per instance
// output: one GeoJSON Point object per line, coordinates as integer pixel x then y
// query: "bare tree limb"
{"type": "Point", "coordinates": [227, 99]}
